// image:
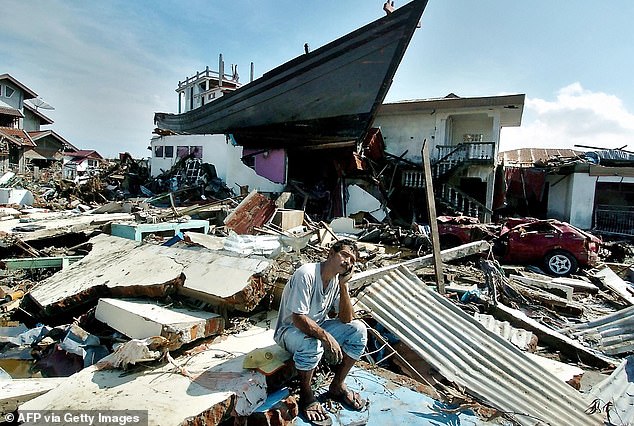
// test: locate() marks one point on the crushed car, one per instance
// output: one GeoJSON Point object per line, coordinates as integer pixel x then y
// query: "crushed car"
{"type": "Point", "coordinates": [558, 247]}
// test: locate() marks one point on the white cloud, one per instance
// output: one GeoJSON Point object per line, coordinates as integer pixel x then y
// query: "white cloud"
{"type": "Point", "coordinates": [104, 71]}
{"type": "Point", "coordinates": [576, 117]}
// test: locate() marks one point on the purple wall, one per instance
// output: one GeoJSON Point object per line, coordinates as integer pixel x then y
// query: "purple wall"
{"type": "Point", "coordinates": [270, 164]}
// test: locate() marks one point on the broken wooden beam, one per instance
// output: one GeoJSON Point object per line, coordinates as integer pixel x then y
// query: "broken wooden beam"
{"type": "Point", "coordinates": [615, 283]}
{"type": "Point", "coordinates": [364, 278]}
{"type": "Point", "coordinates": [569, 347]}
{"type": "Point", "coordinates": [558, 289]}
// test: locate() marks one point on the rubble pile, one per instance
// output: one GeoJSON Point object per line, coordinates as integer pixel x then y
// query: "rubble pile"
{"type": "Point", "coordinates": [185, 290]}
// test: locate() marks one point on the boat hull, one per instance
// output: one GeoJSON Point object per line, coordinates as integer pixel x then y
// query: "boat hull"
{"type": "Point", "coordinates": [328, 95]}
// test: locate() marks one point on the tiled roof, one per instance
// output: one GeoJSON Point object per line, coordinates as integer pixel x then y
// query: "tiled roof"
{"type": "Point", "coordinates": [85, 153]}
{"type": "Point", "coordinates": [7, 109]}
{"type": "Point", "coordinates": [19, 136]}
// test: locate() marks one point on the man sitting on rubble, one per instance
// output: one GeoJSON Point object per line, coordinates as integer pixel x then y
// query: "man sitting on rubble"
{"type": "Point", "coordinates": [304, 328]}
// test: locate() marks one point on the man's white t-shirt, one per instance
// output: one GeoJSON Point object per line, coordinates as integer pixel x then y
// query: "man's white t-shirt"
{"type": "Point", "coordinates": [304, 294]}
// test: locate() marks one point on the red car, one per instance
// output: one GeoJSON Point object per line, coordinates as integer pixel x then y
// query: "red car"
{"type": "Point", "coordinates": [559, 247]}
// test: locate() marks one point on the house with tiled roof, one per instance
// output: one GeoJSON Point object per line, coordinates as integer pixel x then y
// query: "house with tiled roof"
{"type": "Point", "coordinates": [81, 162]}
{"type": "Point", "coordinates": [23, 143]}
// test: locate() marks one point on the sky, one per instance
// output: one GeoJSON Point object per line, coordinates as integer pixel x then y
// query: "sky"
{"type": "Point", "coordinates": [107, 66]}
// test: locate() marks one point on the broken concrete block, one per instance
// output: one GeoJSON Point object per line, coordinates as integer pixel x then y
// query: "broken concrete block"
{"type": "Point", "coordinates": [344, 225]}
{"type": "Point", "coordinates": [125, 268]}
{"type": "Point", "coordinates": [204, 388]}
{"type": "Point", "coordinates": [140, 319]}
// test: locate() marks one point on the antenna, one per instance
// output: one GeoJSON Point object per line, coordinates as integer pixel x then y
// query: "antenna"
{"type": "Point", "coordinates": [39, 103]}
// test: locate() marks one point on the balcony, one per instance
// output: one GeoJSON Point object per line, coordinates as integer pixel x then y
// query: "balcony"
{"type": "Point", "coordinates": [483, 152]}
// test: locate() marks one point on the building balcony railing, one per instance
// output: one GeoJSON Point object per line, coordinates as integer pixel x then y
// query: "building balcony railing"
{"type": "Point", "coordinates": [617, 220]}
{"type": "Point", "coordinates": [484, 151]}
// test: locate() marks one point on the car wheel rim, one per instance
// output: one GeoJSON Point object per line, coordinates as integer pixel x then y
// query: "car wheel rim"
{"type": "Point", "coordinates": [559, 264]}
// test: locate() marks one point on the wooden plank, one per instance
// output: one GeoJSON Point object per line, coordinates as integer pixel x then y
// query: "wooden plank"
{"type": "Point", "coordinates": [612, 281]}
{"type": "Point", "coordinates": [367, 277]}
{"type": "Point", "coordinates": [433, 223]}
{"type": "Point", "coordinates": [559, 289]}
{"type": "Point", "coordinates": [571, 348]}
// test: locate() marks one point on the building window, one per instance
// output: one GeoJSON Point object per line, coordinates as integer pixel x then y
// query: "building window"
{"type": "Point", "coordinates": [92, 163]}
{"type": "Point", "coordinates": [158, 151]}
{"type": "Point", "coordinates": [472, 137]}
{"type": "Point", "coordinates": [182, 151]}
{"type": "Point", "coordinates": [8, 92]}
{"type": "Point", "coordinates": [196, 151]}
{"type": "Point", "coordinates": [169, 151]}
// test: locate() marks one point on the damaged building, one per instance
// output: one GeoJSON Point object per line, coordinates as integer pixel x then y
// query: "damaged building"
{"type": "Point", "coordinates": [156, 294]}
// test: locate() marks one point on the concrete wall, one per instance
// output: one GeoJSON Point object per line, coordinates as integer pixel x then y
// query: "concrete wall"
{"type": "Point", "coordinates": [476, 123]}
{"type": "Point", "coordinates": [16, 98]}
{"type": "Point", "coordinates": [571, 198]}
{"type": "Point", "coordinates": [223, 155]}
{"type": "Point", "coordinates": [31, 122]}
{"type": "Point", "coordinates": [406, 131]}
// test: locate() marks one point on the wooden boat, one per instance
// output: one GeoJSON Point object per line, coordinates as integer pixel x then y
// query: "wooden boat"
{"type": "Point", "coordinates": [327, 96]}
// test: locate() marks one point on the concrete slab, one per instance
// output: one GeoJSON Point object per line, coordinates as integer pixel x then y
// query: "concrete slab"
{"type": "Point", "coordinates": [57, 223]}
{"type": "Point", "coordinates": [17, 391]}
{"type": "Point", "coordinates": [125, 268]}
{"type": "Point", "coordinates": [207, 384]}
{"type": "Point", "coordinates": [140, 319]}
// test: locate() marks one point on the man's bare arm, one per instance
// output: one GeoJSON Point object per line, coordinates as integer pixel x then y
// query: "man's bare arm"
{"type": "Point", "coordinates": [346, 311]}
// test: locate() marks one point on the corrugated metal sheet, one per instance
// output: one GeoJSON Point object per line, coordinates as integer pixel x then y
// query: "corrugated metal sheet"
{"type": "Point", "coordinates": [618, 389]}
{"type": "Point", "coordinates": [613, 154]}
{"type": "Point", "coordinates": [612, 334]}
{"type": "Point", "coordinates": [523, 339]}
{"type": "Point", "coordinates": [465, 352]}
{"type": "Point", "coordinates": [528, 157]}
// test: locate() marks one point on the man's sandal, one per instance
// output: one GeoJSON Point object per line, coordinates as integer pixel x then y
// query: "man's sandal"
{"type": "Point", "coordinates": [349, 399]}
{"type": "Point", "coordinates": [314, 407]}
